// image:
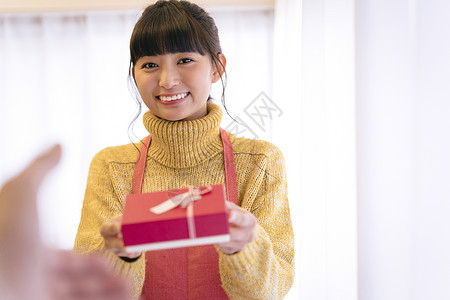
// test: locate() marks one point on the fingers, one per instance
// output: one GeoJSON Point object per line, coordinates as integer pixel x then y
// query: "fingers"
{"type": "Point", "coordinates": [41, 165]}
{"type": "Point", "coordinates": [48, 159]}
{"type": "Point", "coordinates": [238, 240]}
{"type": "Point", "coordinates": [115, 245]}
{"type": "Point", "coordinates": [242, 229]}
{"type": "Point", "coordinates": [112, 235]}
{"type": "Point", "coordinates": [23, 187]}
{"type": "Point", "coordinates": [240, 217]}
{"type": "Point", "coordinates": [111, 228]}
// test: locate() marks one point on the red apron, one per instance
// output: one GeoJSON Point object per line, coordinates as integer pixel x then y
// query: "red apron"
{"type": "Point", "coordinates": [192, 272]}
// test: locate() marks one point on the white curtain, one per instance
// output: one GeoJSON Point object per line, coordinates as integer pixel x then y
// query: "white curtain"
{"type": "Point", "coordinates": [403, 71]}
{"type": "Point", "coordinates": [314, 79]}
{"type": "Point", "coordinates": [386, 63]}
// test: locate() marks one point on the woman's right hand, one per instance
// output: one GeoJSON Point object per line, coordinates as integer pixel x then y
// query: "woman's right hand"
{"type": "Point", "coordinates": [110, 231]}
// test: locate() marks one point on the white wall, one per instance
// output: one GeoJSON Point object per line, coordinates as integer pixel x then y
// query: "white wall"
{"type": "Point", "coordinates": [403, 93]}
{"type": "Point", "coordinates": [327, 254]}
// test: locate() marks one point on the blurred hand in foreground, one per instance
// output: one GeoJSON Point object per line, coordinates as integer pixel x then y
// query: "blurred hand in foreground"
{"type": "Point", "coordinates": [30, 271]}
{"type": "Point", "coordinates": [21, 251]}
{"type": "Point", "coordinates": [86, 277]}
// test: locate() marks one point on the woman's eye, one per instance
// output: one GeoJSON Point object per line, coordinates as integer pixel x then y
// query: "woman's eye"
{"type": "Point", "coordinates": [185, 60]}
{"type": "Point", "coordinates": [149, 66]}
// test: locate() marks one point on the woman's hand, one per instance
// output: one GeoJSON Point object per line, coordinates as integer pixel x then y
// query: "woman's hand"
{"type": "Point", "coordinates": [242, 229]}
{"type": "Point", "coordinates": [110, 231]}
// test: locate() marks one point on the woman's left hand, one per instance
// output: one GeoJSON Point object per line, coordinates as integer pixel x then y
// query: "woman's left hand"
{"type": "Point", "coordinates": [242, 229]}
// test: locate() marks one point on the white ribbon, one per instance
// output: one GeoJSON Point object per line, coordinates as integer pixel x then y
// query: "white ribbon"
{"type": "Point", "coordinates": [183, 200]}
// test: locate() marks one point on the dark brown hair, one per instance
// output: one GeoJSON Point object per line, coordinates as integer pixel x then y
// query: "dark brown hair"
{"type": "Point", "coordinates": [174, 26]}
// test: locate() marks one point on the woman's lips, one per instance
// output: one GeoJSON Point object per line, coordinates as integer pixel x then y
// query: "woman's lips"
{"type": "Point", "coordinates": [167, 99]}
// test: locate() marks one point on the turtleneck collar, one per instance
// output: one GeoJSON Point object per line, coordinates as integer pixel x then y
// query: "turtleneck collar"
{"type": "Point", "coordinates": [181, 144]}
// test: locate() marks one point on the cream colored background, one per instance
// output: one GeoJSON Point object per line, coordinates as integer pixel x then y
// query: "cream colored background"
{"type": "Point", "coordinates": [70, 5]}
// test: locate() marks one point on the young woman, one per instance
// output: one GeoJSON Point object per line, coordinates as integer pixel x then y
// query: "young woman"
{"type": "Point", "coordinates": [175, 58]}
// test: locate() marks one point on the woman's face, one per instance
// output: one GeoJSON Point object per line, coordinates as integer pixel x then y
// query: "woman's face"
{"type": "Point", "coordinates": [176, 86]}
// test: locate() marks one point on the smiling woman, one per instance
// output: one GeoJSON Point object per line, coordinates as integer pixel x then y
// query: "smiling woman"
{"type": "Point", "coordinates": [174, 65]}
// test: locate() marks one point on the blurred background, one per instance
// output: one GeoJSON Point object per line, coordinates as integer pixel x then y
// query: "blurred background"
{"type": "Point", "coordinates": [355, 93]}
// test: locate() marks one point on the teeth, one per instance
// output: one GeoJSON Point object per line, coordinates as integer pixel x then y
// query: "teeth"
{"type": "Point", "coordinates": [176, 97]}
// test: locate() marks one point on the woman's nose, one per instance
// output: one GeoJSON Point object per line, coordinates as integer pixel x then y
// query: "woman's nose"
{"type": "Point", "coordinates": [169, 78]}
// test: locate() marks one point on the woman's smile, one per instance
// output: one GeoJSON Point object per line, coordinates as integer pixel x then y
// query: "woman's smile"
{"type": "Point", "coordinates": [173, 98]}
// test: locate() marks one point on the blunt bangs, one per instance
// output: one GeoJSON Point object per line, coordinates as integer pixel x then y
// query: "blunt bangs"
{"type": "Point", "coordinates": [167, 30]}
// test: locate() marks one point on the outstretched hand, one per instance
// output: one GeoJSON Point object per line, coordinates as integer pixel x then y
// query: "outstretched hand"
{"type": "Point", "coordinates": [242, 229]}
{"type": "Point", "coordinates": [21, 251]}
{"type": "Point", "coordinates": [30, 271]}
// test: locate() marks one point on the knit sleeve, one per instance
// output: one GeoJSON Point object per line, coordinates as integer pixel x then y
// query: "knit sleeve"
{"type": "Point", "coordinates": [265, 268]}
{"type": "Point", "coordinates": [101, 204]}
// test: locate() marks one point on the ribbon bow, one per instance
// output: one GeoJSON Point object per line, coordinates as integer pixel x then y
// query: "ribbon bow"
{"type": "Point", "coordinates": [184, 200]}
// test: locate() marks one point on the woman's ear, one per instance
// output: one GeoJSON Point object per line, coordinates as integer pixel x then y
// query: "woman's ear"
{"type": "Point", "coordinates": [219, 68]}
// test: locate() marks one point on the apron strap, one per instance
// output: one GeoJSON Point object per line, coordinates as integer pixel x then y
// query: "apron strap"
{"type": "Point", "coordinates": [138, 177]}
{"type": "Point", "coordinates": [230, 169]}
{"type": "Point", "coordinates": [228, 157]}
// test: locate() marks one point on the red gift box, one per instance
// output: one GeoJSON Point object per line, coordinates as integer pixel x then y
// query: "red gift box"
{"type": "Point", "coordinates": [203, 221]}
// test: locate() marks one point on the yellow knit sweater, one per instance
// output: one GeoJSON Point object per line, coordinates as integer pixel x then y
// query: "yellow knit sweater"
{"type": "Point", "coordinates": [190, 153]}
